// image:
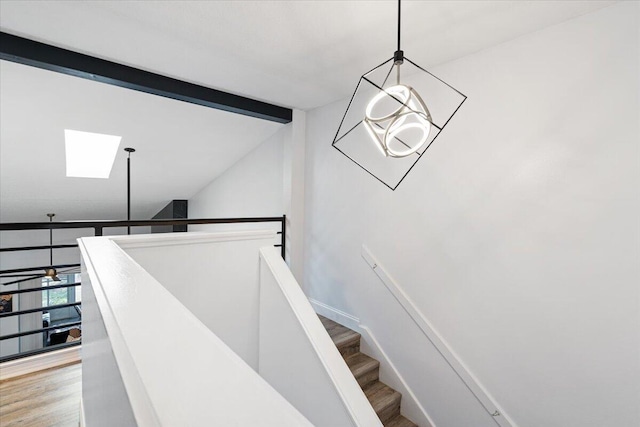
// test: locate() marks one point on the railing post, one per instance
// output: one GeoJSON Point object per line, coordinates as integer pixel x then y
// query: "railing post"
{"type": "Point", "coordinates": [284, 237]}
{"type": "Point", "coordinates": [97, 231]}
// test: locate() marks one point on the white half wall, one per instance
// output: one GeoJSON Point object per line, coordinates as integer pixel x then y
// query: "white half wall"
{"type": "Point", "coordinates": [149, 361]}
{"type": "Point", "coordinates": [297, 356]}
{"type": "Point", "coordinates": [517, 235]}
{"type": "Point", "coordinates": [215, 276]}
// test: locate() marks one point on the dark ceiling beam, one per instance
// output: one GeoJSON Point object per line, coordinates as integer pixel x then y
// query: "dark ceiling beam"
{"type": "Point", "coordinates": [29, 52]}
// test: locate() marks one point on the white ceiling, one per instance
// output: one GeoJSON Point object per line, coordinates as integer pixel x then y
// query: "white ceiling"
{"type": "Point", "coordinates": [180, 147]}
{"type": "Point", "coordinates": [300, 54]}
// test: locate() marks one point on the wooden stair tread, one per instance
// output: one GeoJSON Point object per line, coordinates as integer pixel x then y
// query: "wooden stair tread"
{"type": "Point", "coordinates": [384, 400]}
{"type": "Point", "coordinates": [363, 367]}
{"type": "Point", "coordinates": [400, 421]}
{"type": "Point", "coordinates": [347, 340]}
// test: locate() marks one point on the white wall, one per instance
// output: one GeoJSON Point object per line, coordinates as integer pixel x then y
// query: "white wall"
{"type": "Point", "coordinates": [517, 234]}
{"type": "Point", "coordinates": [251, 187]}
{"type": "Point", "coordinates": [269, 181]}
{"type": "Point", "coordinates": [214, 275]}
{"type": "Point", "coordinates": [294, 173]}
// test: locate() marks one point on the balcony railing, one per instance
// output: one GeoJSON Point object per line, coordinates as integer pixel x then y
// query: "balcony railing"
{"type": "Point", "coordinates": [31, 272]}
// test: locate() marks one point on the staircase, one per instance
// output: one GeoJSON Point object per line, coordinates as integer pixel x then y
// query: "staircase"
{"type": "Point", "coordinates": [384, 400]}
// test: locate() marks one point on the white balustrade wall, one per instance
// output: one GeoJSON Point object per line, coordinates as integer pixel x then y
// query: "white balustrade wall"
{"type": "Point", "coordinates": [148, 360]}
{"type": "Point", "coordinates": [298, 358]}
{"type": "Point", "coordinates": [207, 329]}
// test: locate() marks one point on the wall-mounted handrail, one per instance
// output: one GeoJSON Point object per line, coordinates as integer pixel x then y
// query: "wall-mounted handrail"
{"type": "Point", "coordinates": [464, 374]}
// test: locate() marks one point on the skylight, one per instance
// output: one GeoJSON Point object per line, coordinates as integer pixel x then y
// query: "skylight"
{"type": "Point", "coordinates": [90, 155]}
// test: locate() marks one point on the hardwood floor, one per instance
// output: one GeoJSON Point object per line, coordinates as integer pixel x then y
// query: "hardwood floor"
{"type": "Point", "coordinates": [49, 398]}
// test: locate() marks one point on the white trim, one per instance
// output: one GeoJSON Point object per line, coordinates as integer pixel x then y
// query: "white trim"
{"type": "Point", "coordinates": [469, 380]}
{"type": "Point", "coordinates": [39, 362]}
{"type": "Point", "coordinates": [141, 406]}
{"type": "Point", "coordinates": [191, 238]}
{"type": "Point", "coordinates": [345, 384]}
{"type": "Point", "coordinates": [411, 407]}
{"type": "Point", "coordinates": [336, 315]}
{"type": "Point", "coordinates": [83, 421]}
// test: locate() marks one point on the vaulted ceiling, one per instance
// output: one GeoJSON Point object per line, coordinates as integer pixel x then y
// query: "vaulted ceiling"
{"type": "Point", "coordinates": [300, 54]}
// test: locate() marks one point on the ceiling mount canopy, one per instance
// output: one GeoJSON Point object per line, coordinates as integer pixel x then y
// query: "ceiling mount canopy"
{"type": "Point", "coordinates": [388, 126]}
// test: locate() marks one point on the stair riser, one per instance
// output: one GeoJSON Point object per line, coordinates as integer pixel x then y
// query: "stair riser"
{"type": "Point", "coordinates": [384, 400]}
{"type": "Point", "coordinates": [368, 378]}
{"type": "Point", "coordinates": [349, 348]}
{"type": "Point", "coordinates": [389, 412]}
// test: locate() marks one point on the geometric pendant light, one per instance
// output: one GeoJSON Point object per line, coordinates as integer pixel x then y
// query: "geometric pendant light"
{"type": "Point", "coordinates": [396, 112]}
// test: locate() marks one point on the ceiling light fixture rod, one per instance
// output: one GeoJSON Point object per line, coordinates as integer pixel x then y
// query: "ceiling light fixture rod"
{"type": "Point", "coordinates": [50, 272]}
{"type": "Point", "coordinates": [398, 56]}
{"type": "Point", "coordinates": [398, 25]}
{"type": "Point", "coordinates": [129, 150]}
{"type": "Point", "coordinates": [51, 215]}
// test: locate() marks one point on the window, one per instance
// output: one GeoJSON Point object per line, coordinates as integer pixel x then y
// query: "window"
{"type": "Point", "coordinates": [58, 296]}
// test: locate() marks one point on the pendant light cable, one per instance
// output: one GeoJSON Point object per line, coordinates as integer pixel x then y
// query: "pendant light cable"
{"type": "Point", "coordinates": [51, 215]}
{"type": "Point", "coordinates": [398, 25]}
{"type": "Point", "coordinates": [51, 272]}
{"type": "Point", "coordinates": [129, 150]}
{"type": "Point", "coordinates": [398, 56]}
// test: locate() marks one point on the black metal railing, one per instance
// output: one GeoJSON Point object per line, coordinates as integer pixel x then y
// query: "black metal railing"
{"type": "Point", "coordinates": [98, 228]}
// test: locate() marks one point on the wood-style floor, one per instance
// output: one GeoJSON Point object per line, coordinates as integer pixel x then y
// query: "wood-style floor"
{"type": "Point", "coordinates": [49, 398]}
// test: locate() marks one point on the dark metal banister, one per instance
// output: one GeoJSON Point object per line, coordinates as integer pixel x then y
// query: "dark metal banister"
{"type": "Point", "coordinates": [40, 289]}
{"type": "Point", "coordinates": [98, 227]}
{"type": "Point", "coordinates": [13, 226]}
{"type": "Point", "coordinates": [35, 310]}
{"type": "Point", "coordinates": [37, 248]}
{"type": "Point", "coordinates": [25, 269]}
{"type": "Point", "coordinates": [38, 331]}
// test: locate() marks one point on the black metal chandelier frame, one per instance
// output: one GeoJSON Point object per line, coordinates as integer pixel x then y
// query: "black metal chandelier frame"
{"type": "Point", "coordinates": [397, 59]}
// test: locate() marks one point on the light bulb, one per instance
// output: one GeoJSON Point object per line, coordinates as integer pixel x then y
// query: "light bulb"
{"type": "Point", "coordinates": [410, 113]}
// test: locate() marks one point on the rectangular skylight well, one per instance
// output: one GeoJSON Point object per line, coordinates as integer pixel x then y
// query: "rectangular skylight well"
{"type": "Point", "coordinates": [90, 155]}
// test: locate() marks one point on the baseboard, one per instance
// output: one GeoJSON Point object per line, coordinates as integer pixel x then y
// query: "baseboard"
{"type": "Point", "coordinates": [83, 422]}
{"type": "Point", "coordinates": [336, 315]}
{"type": "Point", "coordinates": [411, 407]}
{"type": "Point", "coordinates": [28, 365]}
